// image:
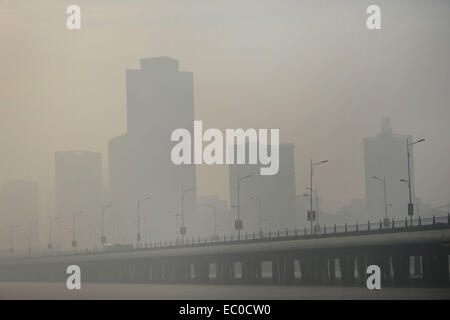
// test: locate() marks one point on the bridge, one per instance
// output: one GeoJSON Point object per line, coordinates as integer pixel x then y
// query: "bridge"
{"type": "Point", "coordinates": [323, 255]}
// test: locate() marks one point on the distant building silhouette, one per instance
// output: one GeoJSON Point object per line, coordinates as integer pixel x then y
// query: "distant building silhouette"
{"type": "Point", "coordinates": [224, 216]}
{"type": "Point", "coordinates": [352, 212]}
{"type": "Point", "coordinates": [160, 98]}
{"type": "Point", "coordinates": [19, 205]}
{"type": "Point", "coordinates": [277, 193]}
{"type": "Point", "coordinates": [385, 156]}
{"type": "Point", "coordinates": [78, 187]}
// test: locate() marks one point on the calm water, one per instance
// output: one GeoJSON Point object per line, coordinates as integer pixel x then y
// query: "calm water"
{"type": "Point", "coordinates": [24, 290]}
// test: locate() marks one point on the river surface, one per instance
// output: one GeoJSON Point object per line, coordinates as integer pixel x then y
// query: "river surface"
{"type": "Point", "coordinates": [28, 290]}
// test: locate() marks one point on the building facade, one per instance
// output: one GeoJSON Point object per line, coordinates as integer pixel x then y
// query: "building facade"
{"type": "Point", "coordinates": [386, 156]}
{"type": "Point", "coordinates": [274, 194]}
{"type": "Point", "coordinates": [160, 99]}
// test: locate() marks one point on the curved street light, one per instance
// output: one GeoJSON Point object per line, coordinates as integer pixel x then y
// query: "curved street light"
{"type": "Point", "coordinates": [103, 238]}
{"type": "Point", "coordinates": [183, 227]}
{"type": "Point", "coordinates": [214, 216]}
{"type": "Point", "coordinates": [258, 199]}
{"type": "Point", "coordinates": [311, 213]}
{"type": "Point", "coordinates": [138, 235]}
{"type": "Point", "coordinates": [74, 215]}
{"type": "Point", "coordinates": [238, 223]}
{"type": "Point", "coordinates": [11, 247]}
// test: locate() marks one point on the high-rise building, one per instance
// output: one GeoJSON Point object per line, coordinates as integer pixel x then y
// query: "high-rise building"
{"type": "Point", "coordinates": [160, 99]}
{"type": "Point", "coordinates": [275, 193]}
{"type": "Point", "coordinates": [385, 156]}
{"type": "Point", "coordinates": [78, 188]}
{"type": "Point", "coordinates": [19, 214]}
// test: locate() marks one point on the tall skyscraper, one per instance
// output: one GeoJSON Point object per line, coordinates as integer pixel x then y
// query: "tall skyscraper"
{"type": "Point", "coordinates": [160, 99]}
{"type": "Point", "coordinates": [385, 156]}
{"type": "Point", "coordinates": [19, 214]}
{"type": "Point", "coordinates": [78, 187]}
{"type": "Point", "coordinates": [276, 194]}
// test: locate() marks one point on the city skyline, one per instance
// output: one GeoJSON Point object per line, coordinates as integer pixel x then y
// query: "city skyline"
{"type": "Point", "coordinates": [325, 93]}
{"type": "Point", "coordinates": [130, 160]}
{"type": "Point", "coordinates": [224, 150]}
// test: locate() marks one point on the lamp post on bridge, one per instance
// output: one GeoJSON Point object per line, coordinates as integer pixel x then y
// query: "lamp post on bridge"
{"type": "Point", "coordinates": [30, 229]}
{"type": "Point", "coordinates": [183, 227]}
{"type": "Point", "coordinates": [74, 241]}
{"type": "Point", "coordinates": [11, 246]}
{"type": "Point", "coordinates": [95, 228]}
{"type": "Point", "coordinates": [214, 216]}
{"type": "Point", "coordinates": [50, 244]}
{"type": "Point", "coordinates": [138, 222]}
{"type": "Point", "coordinates": [258, 199]}
{"type": "Point", "coordinates": [316, 195]}
{"type": "Point", "coordinates": [238, 223]}
{"type": "Point", "coordinates": [386, 221]}
{"type": "Point", "coordinates": [311, 213]}
{"type": "Point", "coordinates": [176, 214]}
{"type": "Point", "coordinates": [103, 238]}
{"type": "Point", "coordinates": [408, 154]}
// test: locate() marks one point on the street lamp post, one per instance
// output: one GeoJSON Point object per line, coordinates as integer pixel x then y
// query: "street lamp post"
{"type": "Point", "coordinates": [383, 179]}
{"type": "Point", "coordinates": [103, 238]}
{"type": "Point", "coordinates": [316, 195]}
{"type": "Point", "coordinates": [50, 244]}
{"type": "Point", "coordinates": [259, 215]}
{"type": "Point", "coordinates": [138, 235]}
{"type": "Point", "coordinates": [214, 216]}
{"type": "Point", "coordinates": [238, 223]}
{"type": "Point", "coordinates": [176, 214]}
{"type": "Point", "coordinates": [30, 227]}
{"type": "Point", "coordinates": [11, 247]}
{"type": "Point", "coordinates": [311, 213]}
{"type": "Point", "coordinates": [183, 227]}
{"type": "Point", "coordinates": [74, 242]}
{"type": "Point", "coordinates": [95, 228]}
{"type": "Point", "coordinates": [408, 153]}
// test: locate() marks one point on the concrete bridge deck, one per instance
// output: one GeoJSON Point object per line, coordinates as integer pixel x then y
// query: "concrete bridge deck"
{"type": "Point", "coordinates": [324, 258]}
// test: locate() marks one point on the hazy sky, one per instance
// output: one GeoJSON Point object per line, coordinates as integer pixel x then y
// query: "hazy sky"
{"type": "Point", "coordinates": [310, 68]}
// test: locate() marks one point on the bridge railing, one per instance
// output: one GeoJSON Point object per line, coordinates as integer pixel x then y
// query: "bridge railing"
{"type": "Point", "coordinates": [384, 225]}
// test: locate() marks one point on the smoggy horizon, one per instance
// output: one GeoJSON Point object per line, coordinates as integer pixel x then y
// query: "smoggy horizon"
{"type": "Point", "coordinates": [326, 83]}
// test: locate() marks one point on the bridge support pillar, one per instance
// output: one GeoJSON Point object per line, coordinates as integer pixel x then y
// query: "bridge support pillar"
{"type": "Point", "coordinates": [249, 270]}
{"type": "Point", "coordinates": [141, 272]}
{"type": "Point", "coordinates": [362, 267]}
{"type": "Point", "coordinates": [347, 266]}
{"type": "Point", "coordinates": [276, 271]}
{"type": "Point", "coordinates": [417, 266]}
{"type": "Point", "coordinates": [435, 267]}
{"type": "Point", "coordinates": [386, 268]}
{"type": "Point", "coordinates": [442, 267]}
{"type": "Point", "coordinates": [332, 268]}
{"type": "Point", "coordinates": [201, 272]}
{"type": "Point", "coordinates": [322, 267]}
{"type": "Point", "coordinates": [288, 270]}
{"type": "Point", "coordinates": [157, 271]}
{"type": "Point", "coordinates": [219, 272]}
{"type": "Point", "coordinates": [306, 268]}
{"type": "Point", "coordinates": [226, 270]}
{"type": "Point", "coordinates": [400, 266]}
{"type": "Point", "coordinates": [178, 271]}
{"type": "Point", "coordinates": [123, 272]}
{"type": "Point", "coordinates": [383, 260]}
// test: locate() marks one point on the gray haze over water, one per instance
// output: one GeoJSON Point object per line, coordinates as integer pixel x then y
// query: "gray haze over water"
{"type": "Point", "coordinates": [25, 290]}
